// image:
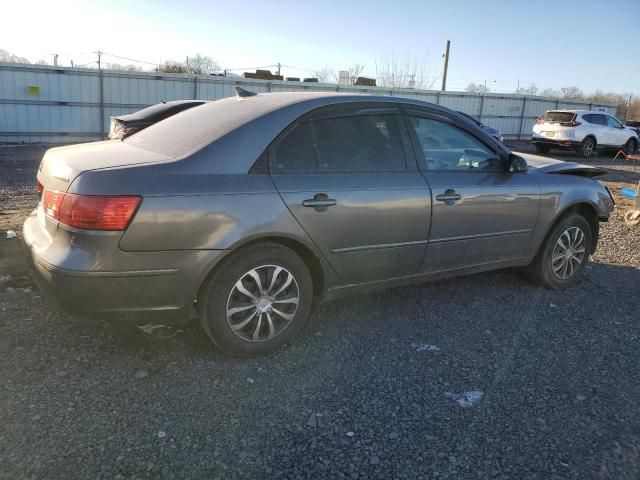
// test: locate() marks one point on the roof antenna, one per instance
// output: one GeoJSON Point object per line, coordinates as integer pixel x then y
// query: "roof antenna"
{"type": "Point", "coordinates": [242, 93]}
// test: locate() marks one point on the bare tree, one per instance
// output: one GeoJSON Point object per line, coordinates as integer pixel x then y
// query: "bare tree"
{"type": "Point", "coordinates": [407, 72]}
{"type": "Point", "coordinates": [477, 88]}
{"type": "Point", "coordinates": [8, 57]}
{"type": "Point", "coordinates": [325, 74]}
{"type": "Point", "coordinates": [571, 93]}
{"type": "Point", "coordinates": [201, 64]}
{"type": "Point", "coordinates": [127, 68]}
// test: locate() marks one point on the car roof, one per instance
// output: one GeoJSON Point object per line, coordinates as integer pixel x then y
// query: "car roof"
{"type": "Point", "coordinates": [576, 111]}
{"type": "Point", "coordinates": [236, 130]}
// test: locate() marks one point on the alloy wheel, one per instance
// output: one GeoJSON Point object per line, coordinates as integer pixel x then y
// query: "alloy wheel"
{"type": "Point", "coordinates": [587, 148]}
{"type": "Point", "coordinates": [568, 253]}
{"type": "Point", "coordinates": [262, 303]}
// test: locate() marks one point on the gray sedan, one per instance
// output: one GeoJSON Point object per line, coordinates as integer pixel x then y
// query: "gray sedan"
{"type": "Point", "coordinates": [248, 211]}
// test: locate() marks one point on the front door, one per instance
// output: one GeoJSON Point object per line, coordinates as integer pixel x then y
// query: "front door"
{"type": "Point", "coordinates": [350, 180]}
{"type": "Point", "coordinates": [481, 214]}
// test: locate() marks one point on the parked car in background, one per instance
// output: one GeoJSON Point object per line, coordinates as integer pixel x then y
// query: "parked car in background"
{"type": "Point", "coordinates": [582, 131]}
{"type": "Point", "coordinates": [124, 126]}
{"type": "Point", "coordinates": [494, 132]}
{"type": "Point", "coordinates": [250, 210]}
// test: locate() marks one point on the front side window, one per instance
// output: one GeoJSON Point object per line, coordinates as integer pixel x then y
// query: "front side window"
{"type": "Point", "coordinates": [612, 122]}
{"type": "Point", "coordinates": [447, 147]}
{"type": "Point", "coordinates": [364, 143]}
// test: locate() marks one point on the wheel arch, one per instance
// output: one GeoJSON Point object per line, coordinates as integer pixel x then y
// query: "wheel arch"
{"type": "Point", "coordinates": [585, 209]}
{"type": "Point", "coordinates": [309, 256]}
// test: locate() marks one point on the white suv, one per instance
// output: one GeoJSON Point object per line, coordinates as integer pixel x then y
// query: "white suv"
{"type": "Point", "coordinates": [583, 131]}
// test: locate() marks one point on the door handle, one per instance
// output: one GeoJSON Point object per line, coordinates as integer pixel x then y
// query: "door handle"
{"type": "Point", "coordinates": [449, 196]}
{"type": "Point", "coordinates": [320, 202]}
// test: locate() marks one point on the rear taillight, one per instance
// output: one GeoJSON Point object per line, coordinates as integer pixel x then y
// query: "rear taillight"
{"type": "Point", "coordinates": [39, 186]}
{"type": "Point", "coordinates": [570, 124]}
{"type": "Point", "coordinates": [91, 212]}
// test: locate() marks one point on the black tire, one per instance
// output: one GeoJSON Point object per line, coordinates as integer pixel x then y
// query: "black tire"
{"type": "Point", "coordinates": [588, 148]}
{"type": "Point", "coordinates": [541, 148]}
{"type": "Point", "coordinates": [221, 287]}
{"type": "Point", "coordinates": [631, 146]}
{"type": "Point", "coordinates": [541, 269]}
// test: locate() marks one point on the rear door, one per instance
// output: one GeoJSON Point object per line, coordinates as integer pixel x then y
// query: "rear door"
{"type": "Point", "coordinates": [349, 177]}
{"type": "Point", "coordinates": [482, 214]}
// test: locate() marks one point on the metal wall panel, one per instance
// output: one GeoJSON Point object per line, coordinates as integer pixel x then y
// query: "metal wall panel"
{"type": "Point", "coordinates": [70, 106]}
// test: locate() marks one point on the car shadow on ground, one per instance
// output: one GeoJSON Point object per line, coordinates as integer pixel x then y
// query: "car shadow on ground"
{"type": "Point", "coordinates": [450, 307]}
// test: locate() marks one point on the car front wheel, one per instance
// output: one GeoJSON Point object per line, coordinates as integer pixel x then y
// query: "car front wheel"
{"type": "Point", "coordinates": [564, 253]}
{"type": "Point", "coordinates": [257, 301]}
{"type": "Point", "coordinates": [630, 146]}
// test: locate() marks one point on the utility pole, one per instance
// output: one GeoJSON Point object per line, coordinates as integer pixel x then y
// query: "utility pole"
{"type": "Point", "coordinates": [626, 115]}
{"type": "Point", "coordinates": [55, 59]}
{"type": "Point", "coordinates": [278, 68]}
{"type": "Point", "coordinates": [446, 67]}
{"type": "Point", "coordinates": [99, 59]}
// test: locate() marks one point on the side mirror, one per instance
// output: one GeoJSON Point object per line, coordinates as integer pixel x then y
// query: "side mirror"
{"type": "Point", "coordinates": [517, 164]}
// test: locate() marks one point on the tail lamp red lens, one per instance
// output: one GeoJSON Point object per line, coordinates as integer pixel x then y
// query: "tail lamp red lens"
{"type": "Point", "coordinates": [570, 124]}
{"type": "Point", "coordinates": [91, 212]}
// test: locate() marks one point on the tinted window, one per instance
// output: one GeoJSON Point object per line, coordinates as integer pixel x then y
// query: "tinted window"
{"type": "Point", "coordinates": [360, 143]}
{"type": "Point", "coordinates": [598, 119]}
{"type": "Point", "coordinates": [557, 117]}
{"type": "Point", "coordinates": [447, 147]}
{"type": "Point", "coordinates": [587, 118]}
{"type": "Point", "coordinates": [612, 122]}
{"type": "Point", "coordinates": [295, 152]}
{"type": "Point", "coordinates": [344, 144]}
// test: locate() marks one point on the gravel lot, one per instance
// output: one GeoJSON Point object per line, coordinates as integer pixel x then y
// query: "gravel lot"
{"type": "Point", "coordinates": [373, 389]}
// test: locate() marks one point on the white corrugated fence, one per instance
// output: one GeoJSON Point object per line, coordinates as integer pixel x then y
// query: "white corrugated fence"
{"type": "Point", "coordinates": [64, 105]}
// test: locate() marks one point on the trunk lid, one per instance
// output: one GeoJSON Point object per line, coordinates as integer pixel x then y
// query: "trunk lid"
{"type": "Point", "coordinates": [61, 165]}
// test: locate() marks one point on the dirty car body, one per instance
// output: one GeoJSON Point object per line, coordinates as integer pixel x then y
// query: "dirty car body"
{"type": "Point", "coordinates": [191, 198]}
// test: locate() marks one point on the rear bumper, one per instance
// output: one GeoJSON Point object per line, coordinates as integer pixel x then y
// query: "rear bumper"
{"type": "Point", "coordinates": [568, 144]}
{"type": "Point", "coordinates": [105, 279]}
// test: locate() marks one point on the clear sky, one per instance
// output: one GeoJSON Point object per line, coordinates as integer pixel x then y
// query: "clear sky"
{"type": "Point", "coordinates": [590, 44]}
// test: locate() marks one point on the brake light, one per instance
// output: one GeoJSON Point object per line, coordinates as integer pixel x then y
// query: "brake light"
{"type": "Point", "coordinates": [570, 124]}
{"type": "Point", "coordinates": [39, 186]}
{"type": "Point", "coordinates": [91, 212]}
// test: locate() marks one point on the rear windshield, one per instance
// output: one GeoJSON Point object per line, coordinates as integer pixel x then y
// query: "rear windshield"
{"type": "Point", "coordinates": [557, 117]}
{"type": "Point", "coordinates": [188, 132]}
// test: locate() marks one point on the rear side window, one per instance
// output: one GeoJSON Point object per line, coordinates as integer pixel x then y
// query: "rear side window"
{"type": "Point", "coordinates": [557, 117]}
{"type": "Point", "coordinates": [598, 119]}
{"type": "Point", "coordinates": [359, 143]}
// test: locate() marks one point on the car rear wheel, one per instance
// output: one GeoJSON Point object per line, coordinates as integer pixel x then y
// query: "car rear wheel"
{"type": "Point", "coordinates": [587, 148]}
{"type": "Point", "coordinates": [257, 301]}
{"type": "Point", "coordinates": [564, 253]}
{"type": "Point", "coordinates": [630, 146]}
{"type": "Point", "coordinates": [541, 148]}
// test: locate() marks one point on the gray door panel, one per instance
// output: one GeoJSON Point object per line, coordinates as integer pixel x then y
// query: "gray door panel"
{"type": "Point", "coordinates": [369, 226]}
{"type": "Point", "coordinates": [480, 217]}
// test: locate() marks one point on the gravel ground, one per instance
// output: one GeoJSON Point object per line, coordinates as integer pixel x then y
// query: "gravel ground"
{"type": "Point", "coordinates": [375, 388]}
